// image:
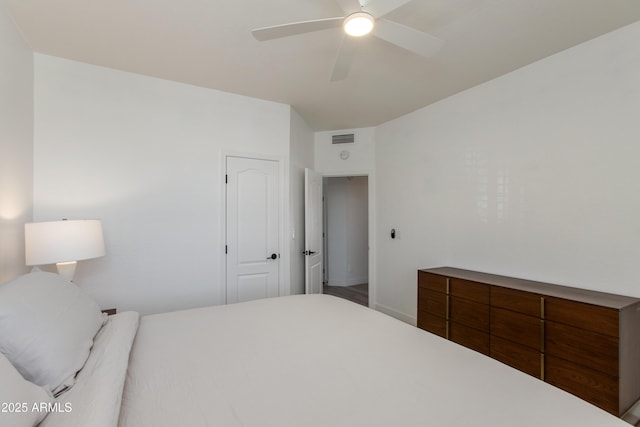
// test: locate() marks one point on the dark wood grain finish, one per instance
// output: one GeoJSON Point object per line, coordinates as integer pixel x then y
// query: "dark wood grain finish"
{"type": "Point", "coordinates": [432, 302]}
{"type": "Point", "coordinates": [586, 348]}
{"type": "Point", "coordinates": [585, 342]}
{"type": "Point", "coordinates": [515, 300]}
{"type": "Point", "coordinates": [517, 356]}
{"type": "Point", "coordinates": [586, 316]}
{"type": "Point", "coordinates": [469, 313]}
{"type": "Point", "coordinates": [474, 291]}
{"type": "Point", "coordinates": [566, 292]}
{"type": "Point", "coordinates": [593, 386]}
{"type": "Point", "coordinates": [432, 305]}
{"type": "Point", "coordinates": [469, 337]}
{"type": "Point", "coordinates": [432, 282]}
{"type": "Point", "coordinates": [434, 324]}
{"type": "Point", "coordinates": [516, 327]}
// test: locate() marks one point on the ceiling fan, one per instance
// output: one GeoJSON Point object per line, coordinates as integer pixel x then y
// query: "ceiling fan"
{"type": "Point", "coordinates": [363, 17]}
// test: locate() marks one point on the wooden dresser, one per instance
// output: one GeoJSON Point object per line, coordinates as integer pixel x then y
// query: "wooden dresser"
{"type": "Point", "coordinates": [584, 342]}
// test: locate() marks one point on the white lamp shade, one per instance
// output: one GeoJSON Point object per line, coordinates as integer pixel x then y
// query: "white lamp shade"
{"type": "Point", "coordinates": [62, 241]}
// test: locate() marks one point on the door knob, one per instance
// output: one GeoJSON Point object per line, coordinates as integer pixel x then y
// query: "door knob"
{"type": "Point", "coordinates": [273, 256]}
{"type": "Point", "coordinates": [309, 252]}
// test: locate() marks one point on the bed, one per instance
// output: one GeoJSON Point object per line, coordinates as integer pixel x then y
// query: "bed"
{"type": "Point", "coordinates": [305, 360]}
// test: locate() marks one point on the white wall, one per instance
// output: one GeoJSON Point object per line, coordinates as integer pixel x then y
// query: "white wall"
{"type": "Point", "coordinates": [534, 175]}
{"type": "Point", "coordinates": [346, 205]}
{"type": "Point", "coordinates": [326, 160]}
{"type": "Point", "coordinates": [16, 145]}
{"type": "Point", "coordinates": [301, 157]}
{"type": "Point", "coordinates": [361, 153]}
{"type": "Point", "coordinates": [361, 162]}
{"type": "Point", "coordinates": [145, 156]}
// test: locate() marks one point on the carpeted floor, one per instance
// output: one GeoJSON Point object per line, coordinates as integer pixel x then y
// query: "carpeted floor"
{"type": "Point", "coordinates": [357, 293]}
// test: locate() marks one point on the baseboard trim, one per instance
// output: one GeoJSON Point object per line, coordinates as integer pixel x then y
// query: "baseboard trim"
{"type": "Point", "coordinates": [397, 314]}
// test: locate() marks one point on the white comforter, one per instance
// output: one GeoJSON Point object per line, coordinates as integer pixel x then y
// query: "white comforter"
{"type": "Point", "coordinates": [321, 361]}
{"type": "Point", "coordinates": [94, 400]}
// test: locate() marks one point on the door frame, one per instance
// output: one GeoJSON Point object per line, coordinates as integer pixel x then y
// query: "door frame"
{"type": "Point", "coordinates": [283, 220]}
{"type": "Point", "coordinates": [371, 226]}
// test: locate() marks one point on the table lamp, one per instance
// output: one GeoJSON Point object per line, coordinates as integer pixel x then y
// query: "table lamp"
{"type": "Point", "coordinates": [63, 243]}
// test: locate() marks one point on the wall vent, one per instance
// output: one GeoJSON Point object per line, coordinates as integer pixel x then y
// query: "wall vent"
{"type": "Point", "coordinates": [347, 138]}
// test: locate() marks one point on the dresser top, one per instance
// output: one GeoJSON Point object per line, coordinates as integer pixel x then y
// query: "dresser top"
{"type": "Point", "coordinates": [558, 291]}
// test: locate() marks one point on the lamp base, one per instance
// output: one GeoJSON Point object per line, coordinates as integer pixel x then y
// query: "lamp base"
{"type": "Point", "coordinates": [67, 269]}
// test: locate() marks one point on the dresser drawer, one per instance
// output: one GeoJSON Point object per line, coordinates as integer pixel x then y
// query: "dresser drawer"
{"type": "Point", "coordinates": [515, 300]}
{"type": "Point", "coordinates": [586, 348]}
{"type": "Point", "coordinates": [469, 313]}
{"type": "Point", "coordinates": [434, 324]}
{"type": "Point", "coordinates": [593, 386]}
{"type": "Point", "coordinates": [585, 316]}
{"type": "Point", "coordinates": [469, 337]}
{"type": "Point", "coordinates": [474, 291]}
{"type": "Point", "coordinates": [517, 327]}
{"type": "Point", "coordinates": [517, 356]}
{"type": "Point", "coordinates": [432, 302]}
{"type": "Point", "coordinates": [583, 341]}
{"type": "Point", "coordinates": [434, 282]}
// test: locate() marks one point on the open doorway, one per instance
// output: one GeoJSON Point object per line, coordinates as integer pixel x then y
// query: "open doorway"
{"type": "Point", "coordinates": [346, 238]}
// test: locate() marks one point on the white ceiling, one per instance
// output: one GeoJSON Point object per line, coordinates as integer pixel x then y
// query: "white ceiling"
{"type": "Point", "coordinates": [208, 43]}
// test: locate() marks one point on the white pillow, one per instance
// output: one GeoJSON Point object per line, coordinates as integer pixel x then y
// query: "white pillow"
{"type": "Point", "coordinates": [47, 325]}
{"type": "Point", "coordinates": [23, 403]}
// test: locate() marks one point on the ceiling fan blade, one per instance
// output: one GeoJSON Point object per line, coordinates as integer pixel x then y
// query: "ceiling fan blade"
{"type": "Point", "coordinates": [346, 52]}
{"type": "Point", "coordinates": [379, 8]}
{"type": "Point", "coordinates": [285, 30]}
{"type": "Point", "coordinates": [407, 38]}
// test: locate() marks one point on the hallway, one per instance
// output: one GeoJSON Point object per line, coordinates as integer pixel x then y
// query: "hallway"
{"type": "Point", "coordinates": [356, 293]}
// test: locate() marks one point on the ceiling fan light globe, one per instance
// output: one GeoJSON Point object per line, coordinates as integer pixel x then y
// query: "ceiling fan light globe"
{"type": "Point", "coordinates": [358, 24]}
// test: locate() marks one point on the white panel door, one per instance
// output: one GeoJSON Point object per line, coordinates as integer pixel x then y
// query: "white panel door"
{"type": "Point", "coordinates": [252, 229]}
{"type": "Point", "coordinates": [313, 232]}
